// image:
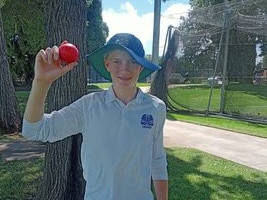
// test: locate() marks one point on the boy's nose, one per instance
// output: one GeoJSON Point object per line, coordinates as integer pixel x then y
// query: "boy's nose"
{"type": "Point", "coordinates": [126, 65]}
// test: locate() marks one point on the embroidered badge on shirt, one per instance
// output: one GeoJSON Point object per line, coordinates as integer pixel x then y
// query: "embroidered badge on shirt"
{"type": "Point", "coordinates": [147, 121]}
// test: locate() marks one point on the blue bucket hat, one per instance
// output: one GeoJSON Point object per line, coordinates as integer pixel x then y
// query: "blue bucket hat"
{"type": "Point", "coordinates": [132, 45]}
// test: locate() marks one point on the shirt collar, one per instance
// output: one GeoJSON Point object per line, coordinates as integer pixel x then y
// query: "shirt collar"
{"type": "Point", "coordinates": [110, 95]}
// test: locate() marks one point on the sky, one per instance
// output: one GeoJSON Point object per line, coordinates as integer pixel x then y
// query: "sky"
{"type": "Point", "coordinates": [136, 17]}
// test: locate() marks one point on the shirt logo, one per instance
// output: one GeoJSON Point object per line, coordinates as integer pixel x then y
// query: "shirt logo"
{"type": "Point", "coordinates": [147, 121]}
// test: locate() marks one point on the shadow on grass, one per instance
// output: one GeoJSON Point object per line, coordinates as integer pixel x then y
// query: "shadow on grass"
{"type": "Point", "coordinates": [194, 175]}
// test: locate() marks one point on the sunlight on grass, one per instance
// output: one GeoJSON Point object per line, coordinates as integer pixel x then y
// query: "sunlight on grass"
{"type": "Point", "coordinates": [107, 85]}
{"type": "Point", "coordinates": [195, 97]}
{"type": "Point", "coordinates": [197, 175]}
{"type": "Point", "coordinates": [245, 100]}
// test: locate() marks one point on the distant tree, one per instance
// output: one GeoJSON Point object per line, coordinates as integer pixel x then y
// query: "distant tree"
{"type": "Point", "coordinates": [264, 61]}
{"type": "Point", "coordinates": [95, 22]}
{"type": "Point", "coordinates": [97, 37]}
{"type": "Point", "coordinates": [63, 179]}
{"type": "Point", "coordinates": [24, 33]}
{"type": "Point", "coordinates": [241, 56]}
{"type": "Point", "coordinates": [10, 120]}
{"type": "Point", "coordinates": [242, 44]}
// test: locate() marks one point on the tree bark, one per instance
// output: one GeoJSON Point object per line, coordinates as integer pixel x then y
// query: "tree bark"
{"type": "Point", "coordinates": [10, 120]}
{"type": "Point", "coordinates": [63, 179]}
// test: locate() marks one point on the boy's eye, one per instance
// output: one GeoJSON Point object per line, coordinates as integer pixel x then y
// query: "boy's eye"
{"type": "Point", "coordinates": [133, 61]}
{"type": "Point", "coordinates": [117, 61]}
{"type": "Point", "coordinates": [124, 62]}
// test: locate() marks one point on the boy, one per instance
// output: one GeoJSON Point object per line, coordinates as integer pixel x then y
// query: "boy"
{"type": "Point", "coordinates": [122, 127]}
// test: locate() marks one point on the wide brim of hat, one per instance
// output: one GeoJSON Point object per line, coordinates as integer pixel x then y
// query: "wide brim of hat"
{"type": "Point", "coordinates": [96, 59]}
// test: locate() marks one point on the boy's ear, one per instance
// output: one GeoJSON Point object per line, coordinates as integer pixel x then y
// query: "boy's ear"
{"type": "Point", "coordinates": [106, 65]}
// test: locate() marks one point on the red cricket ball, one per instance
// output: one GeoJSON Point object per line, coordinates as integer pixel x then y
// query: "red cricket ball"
{"type": "Point", "coordinates": [68, 52]}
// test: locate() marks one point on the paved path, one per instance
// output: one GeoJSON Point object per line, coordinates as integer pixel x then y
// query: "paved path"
{"type": "Point", "coordinates": [21, 149]}
{"type": "Point", "coordinates": [240, 148]}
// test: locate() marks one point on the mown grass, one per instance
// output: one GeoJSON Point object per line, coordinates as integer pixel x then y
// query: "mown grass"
{"type": "Point", "coordinates": [19, 180]}
{"type": "Point", "coordinates": [239, 99]}
{"type": "Point", "coordinates": [247, 99]}
{"type": "Point", "coordinates": [194, 97]}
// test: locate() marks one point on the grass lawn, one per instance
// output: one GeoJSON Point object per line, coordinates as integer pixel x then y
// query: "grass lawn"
{"type": "Point", "coordinates": [19, 179]}
{"type": "Point", "coordinates": [240, 99]}
{"type": "Point", "coordinates": [235, 125]}
{"type": "Point", "coordinates": [195, 97]}
{"type": "Point", "coordinates": [193, 175]}
{"type": "Point", "coordinates": [196, 175]}
{"type": "Point", "coordinates": [247, 99]}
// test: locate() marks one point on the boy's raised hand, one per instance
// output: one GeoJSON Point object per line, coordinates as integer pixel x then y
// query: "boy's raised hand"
{"type": "Point", "coordinates": [48, 66]}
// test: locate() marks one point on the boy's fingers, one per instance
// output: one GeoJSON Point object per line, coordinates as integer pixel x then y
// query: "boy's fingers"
{"type": "Point", "coordinates": [41, 55]}
{"type": "Point", "coordinates": [55, 52]}
{"type": "Point", "coordinates": [68, 67]}
{"type": "Point", "coordinates": [49, 56]}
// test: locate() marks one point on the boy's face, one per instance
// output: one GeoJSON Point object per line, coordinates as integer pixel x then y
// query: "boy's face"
{"type": "Point", "coordinates": [124, 71]}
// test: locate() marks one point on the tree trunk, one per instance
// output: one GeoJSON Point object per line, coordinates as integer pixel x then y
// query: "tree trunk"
{"type": "Point", "coordinates": [10, 120]}
{"type": "Point", "coordinates": [63, 179]}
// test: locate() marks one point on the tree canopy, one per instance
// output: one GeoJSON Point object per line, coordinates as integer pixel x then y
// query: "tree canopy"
{"type": "Point", "coordinates": [24, 33]}
{"type": "Point", "coordinates": [202, 30]}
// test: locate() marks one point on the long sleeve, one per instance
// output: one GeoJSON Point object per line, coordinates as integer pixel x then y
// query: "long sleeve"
{"type": "Point", "coordinates": [57, 125]}
{"type": "Point", "coordinates": [159, 162]}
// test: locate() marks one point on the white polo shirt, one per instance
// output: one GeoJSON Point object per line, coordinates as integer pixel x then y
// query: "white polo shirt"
{"type": "Point", "coordinates": [122, 144]}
